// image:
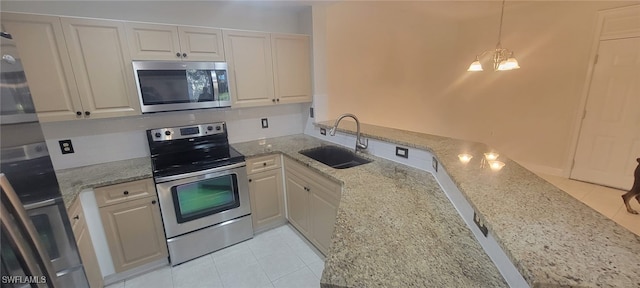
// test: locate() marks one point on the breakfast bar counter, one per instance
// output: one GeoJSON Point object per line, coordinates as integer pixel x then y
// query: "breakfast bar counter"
{"type": "Point", "coordinates": [552, 239]}
{"type": "Point", "coordinates": [394, 227]}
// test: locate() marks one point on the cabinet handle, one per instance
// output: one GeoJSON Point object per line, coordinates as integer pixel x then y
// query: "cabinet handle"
{"type": "Point", "coordinates": [78, 113]}
{"type": "Point", "coordinates": [264, 164]}
{"type": "Point", "coordinates": [273, 100]}
{"type": "Point", "coordinates": [278, 99]}
{"type": "Point", "coordinates": [77, 217]}
{"type": "Point", "coordinates": [249, 180]}
{"type": "Point", "coordinates": [87, 113]}
{"type": "Point", "coordinates": [178, 54]}
{"type": "Point", "coordinates": [126, 192]}
{"type": "Point", "coordinates": [184, 55]}
{"type": "Point", "coordinates": [153, 202]}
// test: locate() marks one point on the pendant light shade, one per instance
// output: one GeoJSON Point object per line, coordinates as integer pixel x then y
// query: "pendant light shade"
{"type": "Point", "coordinates": [503, 59]}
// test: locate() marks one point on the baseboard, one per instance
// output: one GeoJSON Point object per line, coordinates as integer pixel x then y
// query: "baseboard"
{"type": "Point", "coordinates": [542, 169]}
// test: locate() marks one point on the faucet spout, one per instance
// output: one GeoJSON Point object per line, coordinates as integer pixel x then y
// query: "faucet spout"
{"type": "Point", "coordinates": [359, 144]}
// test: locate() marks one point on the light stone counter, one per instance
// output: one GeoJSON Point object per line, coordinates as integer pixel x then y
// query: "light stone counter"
{"type": "Point", "coordinates": [394, 228]}
{"type": "Point", "coordinates": [552, 239]}
{"type": "Point", "coordinates": [72, 181]}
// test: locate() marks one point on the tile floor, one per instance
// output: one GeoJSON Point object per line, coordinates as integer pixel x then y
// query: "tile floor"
{"type": "Point", "coordinates": [276, 258]}
{"type": "Point", "coordinates": [603, 199]}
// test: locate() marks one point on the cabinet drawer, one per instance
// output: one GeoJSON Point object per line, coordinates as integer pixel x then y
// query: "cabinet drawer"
{"type": "Point", "coordinates": [263, 163]}
{"type": "Point", "coordinates": [128, 191]}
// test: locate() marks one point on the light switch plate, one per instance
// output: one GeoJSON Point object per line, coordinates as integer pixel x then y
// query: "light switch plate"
{"type": "Point", "coordinates": [265, 122]}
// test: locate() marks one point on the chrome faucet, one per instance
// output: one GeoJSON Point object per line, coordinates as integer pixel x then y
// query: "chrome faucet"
{"type": "Point", "coordinates": [359, 144]}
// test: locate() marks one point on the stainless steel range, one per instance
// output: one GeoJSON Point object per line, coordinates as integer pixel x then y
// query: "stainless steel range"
{"type": "Point", "coordinates": [202, 188]}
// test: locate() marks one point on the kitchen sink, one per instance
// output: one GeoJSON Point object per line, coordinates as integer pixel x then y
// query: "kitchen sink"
{"type": "Point", "coordinates": [335, 157]}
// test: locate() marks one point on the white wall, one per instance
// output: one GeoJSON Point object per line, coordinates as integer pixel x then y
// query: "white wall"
{"type": "Point", "coordinates": [403, 65]}
{"type": "Point", "coordinates": [260, 16]}
{"type": "Point", "coordinates": [105, 140]}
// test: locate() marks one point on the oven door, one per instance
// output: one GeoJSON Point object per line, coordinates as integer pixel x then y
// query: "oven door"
{"type": "Point", "coordinates": [202, 199]}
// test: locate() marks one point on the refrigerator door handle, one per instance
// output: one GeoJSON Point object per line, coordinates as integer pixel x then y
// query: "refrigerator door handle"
{"type": "Point", "coordinates": [24, 222]}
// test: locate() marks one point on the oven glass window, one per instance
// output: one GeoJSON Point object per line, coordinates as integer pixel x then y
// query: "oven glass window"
{"type": "Point", "coordinates": [175, 86]}
{"type": "Point", "coordinates": [206, 197]}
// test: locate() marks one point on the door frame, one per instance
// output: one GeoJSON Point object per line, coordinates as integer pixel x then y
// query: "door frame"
{"type": "Point", "coordinates": [602, 32]}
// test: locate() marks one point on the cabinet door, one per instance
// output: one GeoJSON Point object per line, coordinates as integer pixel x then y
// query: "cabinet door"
{"type": "Point", "coordinates": [297, 202]}
{"type": "Point", "coordinates": [85, 246]}
{"type": "Point", "coordinates": [134, 233]}
{"type": "Point", "coordinates": [250, 66]}
{"type": "Point", "coordinates": [291, 68]}
{"type": "Point", "coordinates": [153, 41]}
{"type": "Point", "coordinates": [102, 67]}
{"type": "Point", "coordinates": [267, 199]}
{"type": "Point", "coordinates": [201, 44]}
{"type": "Point", "coordinates": [88, 256]}
{"type": "Point", "coordinates": [46, 64]}
{"type": "Point", "coordinates": [322, 210]}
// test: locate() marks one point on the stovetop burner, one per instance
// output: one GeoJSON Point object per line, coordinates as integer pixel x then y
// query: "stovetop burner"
{"type": "Point", "coordinates": [181, 150]}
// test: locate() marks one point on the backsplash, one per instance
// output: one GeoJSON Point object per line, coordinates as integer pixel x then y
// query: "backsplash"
{"type": "Point", "coordinates": [105, 140]}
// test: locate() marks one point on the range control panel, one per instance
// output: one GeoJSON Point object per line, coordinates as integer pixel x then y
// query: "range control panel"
{"type": "Point", "coordinates": [192, 131]}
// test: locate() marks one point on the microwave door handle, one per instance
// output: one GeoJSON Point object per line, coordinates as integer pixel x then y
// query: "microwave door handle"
{"type": "Point", "coordinates": [24, 221]}
{"type": "Point", "coordinates": [214, 81]}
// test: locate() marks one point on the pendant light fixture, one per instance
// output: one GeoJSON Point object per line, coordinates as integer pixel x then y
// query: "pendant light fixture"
{"type": "Point", "coordinates": [502, 58]}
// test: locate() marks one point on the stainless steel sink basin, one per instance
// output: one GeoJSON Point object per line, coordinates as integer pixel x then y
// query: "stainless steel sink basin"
{"type": "Point", "coordinates": [335, 157]}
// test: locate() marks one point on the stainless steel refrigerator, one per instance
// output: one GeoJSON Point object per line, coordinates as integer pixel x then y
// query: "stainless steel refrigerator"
{"type": "Point", "coordinates": [37, 246]}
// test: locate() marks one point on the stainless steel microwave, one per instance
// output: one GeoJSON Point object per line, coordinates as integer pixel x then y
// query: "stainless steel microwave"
{"type": "Point", "coordinates": [171, 85]}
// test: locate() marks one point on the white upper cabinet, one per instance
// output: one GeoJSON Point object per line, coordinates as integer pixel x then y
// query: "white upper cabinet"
{"type": "Point", "coordinates": [291, 68]}
{"type": "Point", "coordinates": [76, 68]}
{"type": "Point", "coordinates": [102, 67]}
{"type": "Point", "coordinates": [169, 42]}
{"type": "Point", "coordinates": [268, 69]}
{"type": "Point", "coordinates": [250, 67]}
{"type": "Point", "coordinates": [45, 59]}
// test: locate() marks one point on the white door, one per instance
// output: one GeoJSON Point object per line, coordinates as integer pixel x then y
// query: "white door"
{"type": "Point", "coordinates": [609, 140]}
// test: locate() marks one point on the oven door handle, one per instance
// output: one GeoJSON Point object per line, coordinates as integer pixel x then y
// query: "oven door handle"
{"type": "Point", "coordinates": [198, 173]}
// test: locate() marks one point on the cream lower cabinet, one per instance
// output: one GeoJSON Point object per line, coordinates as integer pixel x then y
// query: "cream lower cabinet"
{"type": "Point", "coordinates": [85, 246]}
{"type": "Point", "coordinates": [312, 203]}
{"type": "Point", "coordinates": [133, 227]}
{"type": "Point", "coordinates": [266, 192]}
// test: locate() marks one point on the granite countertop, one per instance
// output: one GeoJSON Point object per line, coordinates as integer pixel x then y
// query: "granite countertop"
{"type": "Point", "coordinates": [552, 239]}
{"type": "Point", "coordinates": [394, 226]}
{"type": "Point", "coordinates": [72, 181]}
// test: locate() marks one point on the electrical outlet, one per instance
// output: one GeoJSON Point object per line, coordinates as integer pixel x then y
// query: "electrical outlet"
{"type": "Point", "coordinates": [265, 123]}
{"type": "Point", "coordinates": [323, 131]}
{"type": "Point", "coordinates": [310, 112]}
{"type": "Point", "coordinates": [66, 147]}
{"type": "Point", "coordinates": [402, 152]}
